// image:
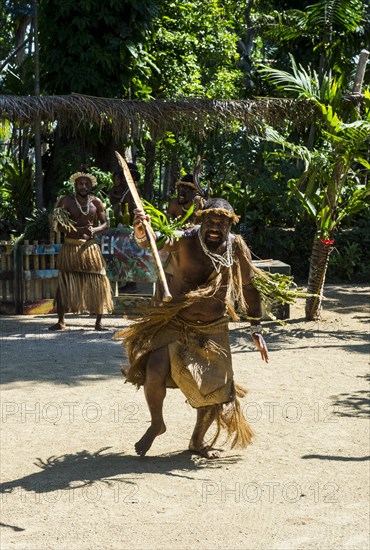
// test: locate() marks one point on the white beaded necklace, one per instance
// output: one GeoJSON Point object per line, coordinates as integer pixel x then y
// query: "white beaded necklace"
{"type": "Point", "coordinates": [87, 206]}
{"type": "Point", "coordinates": [218, 260]}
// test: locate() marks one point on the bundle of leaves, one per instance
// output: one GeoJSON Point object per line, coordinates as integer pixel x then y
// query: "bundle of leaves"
{"type": "Point", "coordinates": [161, 224]}
{"type": "Point", "coordinates": [61, 217]}
{"type": "Point", "coordinates": [276, 287]}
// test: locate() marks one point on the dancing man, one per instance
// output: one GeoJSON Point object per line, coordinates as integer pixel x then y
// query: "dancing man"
{"type": "Point", "coordinates": [185, 343]}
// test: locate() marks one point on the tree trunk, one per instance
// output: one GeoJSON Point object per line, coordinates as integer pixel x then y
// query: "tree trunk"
{"type": "Point", "coordinates": [39, 192]}
{"type": "Point", "coordinates": [318, 265]}
{"type": "Point", "coordinates": [150, 150]}
{"type": "Point", "coordinates": [171, 174]}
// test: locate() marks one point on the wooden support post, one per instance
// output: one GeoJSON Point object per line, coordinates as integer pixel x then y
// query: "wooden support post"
{"type": "Point", "coordinates": [27, 282]}
{"type": "Point", "coordinates": [43, 280]}
{"type": "Point", "coordinates": [3, 269]}
{"type": "Point", "coordinates": [360, 73]}
{"type": "Point", "coordinates": [53, 283]}
{"type": "Point", "coordinates": [10, 269]}
{"type": "Point", "coordinates": [18, 278]}
{"type": "Point", "coordinates": [36, 282]}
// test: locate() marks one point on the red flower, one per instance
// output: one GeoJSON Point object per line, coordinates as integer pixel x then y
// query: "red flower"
{"type": "Point", "coordinates": [327, 241]}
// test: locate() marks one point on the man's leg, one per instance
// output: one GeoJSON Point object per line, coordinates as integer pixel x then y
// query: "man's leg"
{"type": "Point", "coordinates": [60, 325]}
{"type": "Point", "coordinates": [205, 417]}
{"type": "Point", "coordinates": [98, 325]}
{"type": "Point", "coordinates": [155, 391]}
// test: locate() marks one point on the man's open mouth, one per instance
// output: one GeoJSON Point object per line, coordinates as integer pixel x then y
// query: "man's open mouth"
{"type": "Point", "coordinates": [213, 235]}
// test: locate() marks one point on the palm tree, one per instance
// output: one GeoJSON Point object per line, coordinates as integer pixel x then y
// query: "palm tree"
{"type": "Point", "coordinates": [331, 186]}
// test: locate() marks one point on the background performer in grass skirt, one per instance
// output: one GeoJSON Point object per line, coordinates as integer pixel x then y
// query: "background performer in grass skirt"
{"type": "Point", "coordinates": [82, 282]}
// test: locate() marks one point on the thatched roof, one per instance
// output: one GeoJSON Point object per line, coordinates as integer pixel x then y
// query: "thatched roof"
{"type": "Point", "coordinates": [123, 116]}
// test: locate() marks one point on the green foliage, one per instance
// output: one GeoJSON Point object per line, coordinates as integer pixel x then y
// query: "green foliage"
{"type": "Point", "coordinates": [344, 261]}
{"type": "Point", "coordinates": [6, 37]}
{"type": "Point", "coordinates": [194, 45]}
{"type": "Point", "coordinates": [167, 228]}
{"type": "Point", "coordinates": [304, 83]}
{"type": "Point", "coordinates": [104, 184]}
{"type": "Point", "coordinates": [37, 227]}
{"type": "Point", "coordinates": [89, 47]}
{"type": "Point", "coordinates": [330, 187]}
{"type": "Point", "coordinates": [350, 259]}
{"type": "Point", "coordinates": [16, 59]}
{"type": "Point", "coordinates": [242, 170]}
{"type": "Point", "coordinates": [19, 80]}
{"type": "Point", "coordinates": [16, 190]}
{"type": "Point", "coordinates": [326, 34]}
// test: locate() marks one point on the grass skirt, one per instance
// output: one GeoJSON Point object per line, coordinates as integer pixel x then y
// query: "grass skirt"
{"type": "Point", "coordinates": [82, 283]}
{"type": "Point", "coordinates": [201, 367]}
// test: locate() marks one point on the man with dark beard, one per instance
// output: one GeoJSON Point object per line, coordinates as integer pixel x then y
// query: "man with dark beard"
{"type": "Point", "coordinates": [187, 193]}
{"type": "Point", "coordinates": [184, 343]}
{"type": "Point", "coordinates": [82, 283]}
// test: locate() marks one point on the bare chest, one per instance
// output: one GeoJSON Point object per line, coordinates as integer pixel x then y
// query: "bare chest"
{"type": "Point", "coordinates": [82, 213]}
{"type": "Point", "coordinates": [193, 267]}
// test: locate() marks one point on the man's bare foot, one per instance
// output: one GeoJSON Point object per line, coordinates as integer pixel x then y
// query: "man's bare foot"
{"type": "Point", "coordinates": [144, 444]}
{"type": "Point", "coordinates": [204, 450]}
{"type": "Point", "coordinates": [57, 326]}
{"type": "Point", "coordinates": [100, 327]}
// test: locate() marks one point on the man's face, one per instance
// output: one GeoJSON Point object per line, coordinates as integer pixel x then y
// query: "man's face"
{"type": "Point", "coordinates": [215, 229]}
{"type": "Point", "coordinates": [83, 186]}
{"type": "Point", "coordinates": [119, 180]}
{"type": "Point", "coordinates": [185, 194]}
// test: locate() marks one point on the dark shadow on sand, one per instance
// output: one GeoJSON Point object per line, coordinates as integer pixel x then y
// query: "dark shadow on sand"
{"type": "Point", "coordinates": [29, 352]}
{"type": "Point", "coordinates": [340, 458]}
{"type": "Point", "coordinates": [318, 336]}
{"type": "Point", "coordinates": [355, 404]}
{"type": "Point", "coordinates": [73, 471]}
{"type": "Point", "coordinates": [13, 527]}
{"type": "Point", "coordinates": [344, 300]}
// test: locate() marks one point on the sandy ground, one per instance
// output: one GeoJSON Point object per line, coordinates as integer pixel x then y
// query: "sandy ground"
{"type": "Point", "coordinates": [71, 480]}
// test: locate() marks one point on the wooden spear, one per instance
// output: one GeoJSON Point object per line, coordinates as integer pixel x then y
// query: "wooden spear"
{"type": "Point", "coordinates": [148, 229]}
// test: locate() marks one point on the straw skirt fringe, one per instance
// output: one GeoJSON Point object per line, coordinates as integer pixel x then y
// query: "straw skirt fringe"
{"type": "Point", "coordinates": [82, 283]}
{"type": "Point", "coordinates": [201, 367]}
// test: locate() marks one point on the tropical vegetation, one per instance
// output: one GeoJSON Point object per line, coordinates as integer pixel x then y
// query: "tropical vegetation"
{"type": "Point", "coordinates": [300, 163]}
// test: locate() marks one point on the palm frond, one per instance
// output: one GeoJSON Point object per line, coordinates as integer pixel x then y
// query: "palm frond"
{"type": "Point", "coordinates": [302, 83]}
{"type": "Point", "coordinates": [344, 15]}
{"type": "Point", "coordinates": [294, 150]}
{"type": "Point", "coordinates": [283, 27]}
